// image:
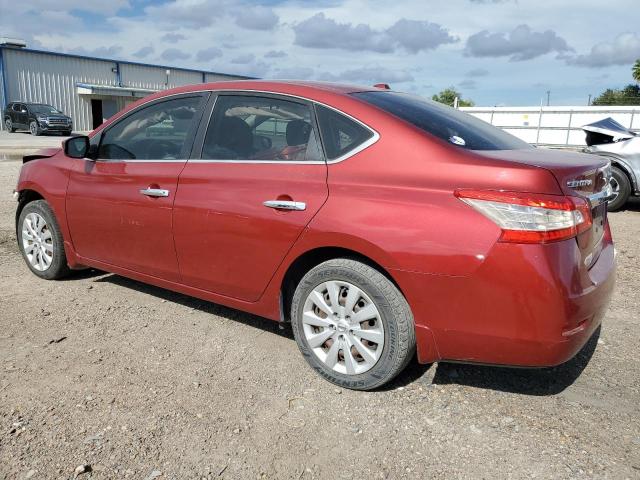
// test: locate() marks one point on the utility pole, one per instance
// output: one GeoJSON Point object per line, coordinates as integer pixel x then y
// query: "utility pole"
{"type": "Point", "coordinates": [589, 101]}
{"type": "Point", "coordinates": [548, 97]}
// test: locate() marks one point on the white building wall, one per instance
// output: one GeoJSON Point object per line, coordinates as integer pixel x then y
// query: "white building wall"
{"type": "Point", "coordinates": [553, 126]}
{"type": "Point", "coordinates": [42, 77]}
{"type": "Point", "coordinates": [39, 77]}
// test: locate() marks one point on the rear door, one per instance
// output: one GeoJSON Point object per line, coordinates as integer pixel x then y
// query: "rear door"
{"type": "Point", "coordinates": [242, 203]}
{"type": "Point", "coordinates": [120, 206]}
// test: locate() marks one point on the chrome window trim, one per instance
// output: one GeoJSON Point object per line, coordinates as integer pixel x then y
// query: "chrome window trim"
{"type": "Point", "coordinates": [358, 149]}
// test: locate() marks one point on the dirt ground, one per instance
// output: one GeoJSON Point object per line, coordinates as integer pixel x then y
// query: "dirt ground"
{"type": "Point", "coordinates": [132, 381]}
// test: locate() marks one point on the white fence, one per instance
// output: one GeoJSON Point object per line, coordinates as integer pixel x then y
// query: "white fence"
{"type": "Point", "coordinates": [553, 126]}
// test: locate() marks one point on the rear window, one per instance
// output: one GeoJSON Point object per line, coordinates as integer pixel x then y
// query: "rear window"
{"type": "Point", "coordinates": [444, 122]}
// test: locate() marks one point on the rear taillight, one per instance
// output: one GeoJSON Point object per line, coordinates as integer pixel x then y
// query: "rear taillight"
{"type": "Point", "coordinates": [531, 218]}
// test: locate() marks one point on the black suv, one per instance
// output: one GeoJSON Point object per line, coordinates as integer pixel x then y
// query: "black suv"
{"type": "Point", "coordinates": [37, 118]}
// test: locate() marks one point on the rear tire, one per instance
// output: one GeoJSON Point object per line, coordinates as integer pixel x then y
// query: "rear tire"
{"type": "Point", "coordinates": [40, 241]}
{"type": "Point", "coordinates": [379, 342]}
{"type": "Point", "coordinates": [34, 128]}
{"type": "Point", "coordinates": [9, 125]}
{"type": "Point", "coordinates": [620, 184]}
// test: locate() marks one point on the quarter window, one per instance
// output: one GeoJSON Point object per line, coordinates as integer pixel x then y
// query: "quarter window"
{"type": "Point", "coordinates": [158, 132]}
{"type": "Point", "coordinates": [261, 129]}
{"type": "Point", "coordinates": [340, 134]}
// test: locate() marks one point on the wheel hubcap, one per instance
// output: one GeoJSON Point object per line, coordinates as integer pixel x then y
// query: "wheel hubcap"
{"type": "Point", "coordinates": [615, 188]}
{"type": "Point", "coordinates": [33, 127]}
{"type": "Point", "coordinates": [37, 242]}
{"type": "Point", "coordinates": [343, 327]}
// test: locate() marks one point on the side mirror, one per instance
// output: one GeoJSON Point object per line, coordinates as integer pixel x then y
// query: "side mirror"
{"type": "Point", "coordinates": [77, 147]}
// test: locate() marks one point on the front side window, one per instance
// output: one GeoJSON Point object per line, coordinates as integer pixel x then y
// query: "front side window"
{"type": "Point", "coordinates": [444, 122]}
{"type": "Point", "coordinates": [261, 129]}
{"type": "Point", "coordinates": [156, 132]}
{"type": "Point", "coordinates": [340, 134]}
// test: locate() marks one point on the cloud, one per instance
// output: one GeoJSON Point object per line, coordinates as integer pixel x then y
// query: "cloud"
{"type": "Point", "coordinates": [193, 14]}
{"type": "Point", "coordinates": [208, 54]}
{"type": "Point", "coordinates": [415, 35]}
{"type": "Point", "coordinates": [244, 59]}
{"type": "Point", "coordinates": [294, 73]}
{"type": "Point", "coordinates": [374, 74]}
{"type": "Point", "coordinates": [172, 54]}
{"type": "Point", "coordinates": [104, 52]}
{"type": "Point", "coordinates": [275, 54]}
{"type": "Point", "coordinates": [172, 37]}
{"type": "Point", "coordinates": [256, 18]}
{"type": "Point", "coordinates": [319, 31]}
{"type": "Point", "coordinates": [144, 52]}
{"type": "Point", "coordinates": [520, 44]}
{"type": "Point", "coordinates": [468, 84]}
{"type": "Point", "coordinates": [477, 72]}
{"type": "Point", "coordinates": [624, 50]}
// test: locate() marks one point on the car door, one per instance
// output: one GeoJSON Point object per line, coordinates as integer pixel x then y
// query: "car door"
{"type": "Point", "coordinates": [20, 110]}
{"type": "Point", "coordinates": [242, 203]}
{"type": "Point", "coordinates": [119, 207]}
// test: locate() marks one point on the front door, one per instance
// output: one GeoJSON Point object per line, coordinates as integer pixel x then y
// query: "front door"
{"type": "Point", "coordinates": [240, 207]}
{"type": "Point", "coordinates": [119, 207]}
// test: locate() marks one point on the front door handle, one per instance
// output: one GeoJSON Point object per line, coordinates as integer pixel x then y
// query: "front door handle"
{"type": "Point", "coordinates": [285, 205]}
{"type": "Point", "coordinates": [155, 192]}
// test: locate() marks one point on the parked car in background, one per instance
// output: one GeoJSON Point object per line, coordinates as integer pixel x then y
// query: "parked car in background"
{"type": "Point", "coordinates": [377, 223]}
{"type": "Point", "coordinates": [38, 118]}
{"type": "Point", "coordinates": [621, 147]}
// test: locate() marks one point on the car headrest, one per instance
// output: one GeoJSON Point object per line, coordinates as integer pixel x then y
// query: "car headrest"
{"type": "Point", "coordinates": [298, 132]}
{"type": "Point", "coordinates": [236, 135]}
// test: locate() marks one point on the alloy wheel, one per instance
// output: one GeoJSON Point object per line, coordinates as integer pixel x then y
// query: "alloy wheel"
{"type": "Point", "coordinates": [8, 125]}
{"type": "Point", "coordinates": [615, 188]}
{"type": "Point", "coordinates": [37, 242]}
{"type": "Point", "coordinates": [343, 327]}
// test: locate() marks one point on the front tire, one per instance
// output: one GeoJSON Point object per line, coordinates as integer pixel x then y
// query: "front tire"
{"type": "Point", "coordinates": [9, 125]}
{"type": "Point", "coordinates": [352, 324]}
{"type": "Point", "coordinates": [34, 128]}
{"type": "Point", "coordinates": [40, 241]}
{"type": "Point", "coordinates": [622, 188]}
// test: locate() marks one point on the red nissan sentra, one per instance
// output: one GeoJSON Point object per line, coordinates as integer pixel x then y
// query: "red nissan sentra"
{"type": "Point", "coordinates": [377, 223]}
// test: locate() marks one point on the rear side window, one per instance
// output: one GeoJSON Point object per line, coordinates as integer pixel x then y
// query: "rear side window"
{"type": "Point", "coordinates": [340, 134]}
{"type": "Point", "coordinates": [444, 122]}
{"type": "Point", "coordinates": [251, 128]}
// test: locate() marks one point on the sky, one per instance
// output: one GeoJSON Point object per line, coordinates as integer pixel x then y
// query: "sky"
{"type": "Point", "coordinates": [495, 52]}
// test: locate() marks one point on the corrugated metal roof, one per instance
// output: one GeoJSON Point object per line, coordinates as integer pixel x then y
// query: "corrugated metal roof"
{"type": "Point", "coordinates": [123, 62]}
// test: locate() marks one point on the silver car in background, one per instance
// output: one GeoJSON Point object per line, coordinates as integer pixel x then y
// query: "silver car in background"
{"type": "Point", "coordinates": [621, 146]}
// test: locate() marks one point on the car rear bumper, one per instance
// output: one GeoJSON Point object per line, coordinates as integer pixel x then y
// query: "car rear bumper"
{"type": "Point", "coordinates": [526, 305]}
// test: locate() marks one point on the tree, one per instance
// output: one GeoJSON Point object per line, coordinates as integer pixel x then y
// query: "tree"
{"type": "Point", "coordinates": [448, 95]}
{"type": "Point", "coordinates": [629, 95]}
{"type": "Point", "coordinates": [635, 71]}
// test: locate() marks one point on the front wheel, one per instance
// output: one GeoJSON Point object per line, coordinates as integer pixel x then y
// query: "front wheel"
{"type": "Point", "coordinates": [34, 129]}
{"type": "Point", "coordinates": [352, 324]}
{"type": "Point", "coordinates": [621, 188]}
{"type": "Point", "coordinates": [40, 241]}
{"type": "Point", "coordinates": [9, 125]}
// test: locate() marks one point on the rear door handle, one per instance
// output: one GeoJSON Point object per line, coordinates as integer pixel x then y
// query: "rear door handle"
{"type": "Point", "coordinates": [155, 192]}
{"type": "Point", "coordinates": [285, 205]}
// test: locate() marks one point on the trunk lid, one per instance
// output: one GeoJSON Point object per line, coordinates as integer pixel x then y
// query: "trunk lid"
{"type": "Point", "coordinates": [579, 175]}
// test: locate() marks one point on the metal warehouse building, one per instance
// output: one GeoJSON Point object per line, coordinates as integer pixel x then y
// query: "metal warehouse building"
{"type": "Point", "coordinates": [90, 90]}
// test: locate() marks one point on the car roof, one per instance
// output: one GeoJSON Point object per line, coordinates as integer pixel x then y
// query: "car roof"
{"type": "Point", "coordinates": [294, 87]}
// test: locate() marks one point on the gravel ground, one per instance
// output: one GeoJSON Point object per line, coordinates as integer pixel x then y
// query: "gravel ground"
{"type": "Point", "coordinates": [126, 380]}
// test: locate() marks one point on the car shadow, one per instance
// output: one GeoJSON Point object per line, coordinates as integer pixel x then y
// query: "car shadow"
{"type": "Point", "coordinates": [534, 382]}
{"type": "Point", "coordinates": [245, 318]}
{"type": "Point", "coordinates": [524, 381]}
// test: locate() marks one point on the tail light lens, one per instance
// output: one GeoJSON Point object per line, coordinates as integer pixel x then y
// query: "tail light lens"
{"type": "Point", "coordinates": [531, 218]}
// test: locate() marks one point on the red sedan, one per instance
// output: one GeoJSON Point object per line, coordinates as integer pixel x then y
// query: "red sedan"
{"type": "Point", "coordinates": [377, 223]}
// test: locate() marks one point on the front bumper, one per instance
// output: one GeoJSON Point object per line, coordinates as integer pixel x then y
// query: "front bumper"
{"type": "Point", "coordinates": [526, 305]}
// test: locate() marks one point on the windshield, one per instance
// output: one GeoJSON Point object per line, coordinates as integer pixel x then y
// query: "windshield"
{"type": "Point", "coordinates": [43, 109]}
{"type": "Point", "coordinates": [446, 123]}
